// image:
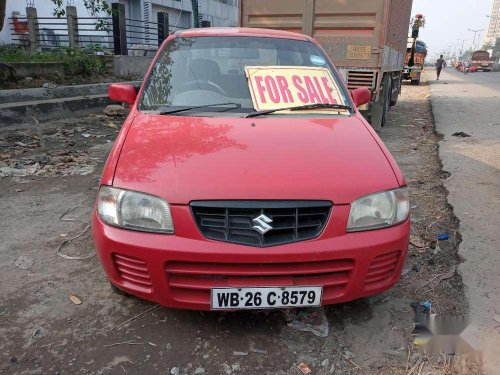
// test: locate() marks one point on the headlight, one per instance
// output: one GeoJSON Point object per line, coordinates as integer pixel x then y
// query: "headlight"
{"type": "Point", "coordinates": [379, 210]}
{"type": "Point", "coordinates": [133, 210]}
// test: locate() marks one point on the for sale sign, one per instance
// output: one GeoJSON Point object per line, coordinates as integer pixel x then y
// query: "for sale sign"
{"type": "Point", "coordinates": [274, 87]}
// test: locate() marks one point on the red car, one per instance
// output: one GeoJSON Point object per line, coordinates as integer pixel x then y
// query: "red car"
{"type": "Point", "coordinates": [245, 177]}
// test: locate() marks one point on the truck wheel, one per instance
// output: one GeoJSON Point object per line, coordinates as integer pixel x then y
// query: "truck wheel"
{"type": "Point", "coordinates": [415, 82]}
{"type": "Point", "coordinates": [394, 98]}
{"type": "Point", "coordinates": [386, 105]}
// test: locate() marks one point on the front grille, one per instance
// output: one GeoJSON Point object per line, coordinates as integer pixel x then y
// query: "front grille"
{"type": "Point", "coordinates": [360, 78]}
{"type": "Point", "coordinates": [234, 221]}
{"type": "Point", "coordinates": [191, 281]}
{"type": "Point", "coordinates": [132, 270]}
{"type": "Point", "coordinates": [382, 269]}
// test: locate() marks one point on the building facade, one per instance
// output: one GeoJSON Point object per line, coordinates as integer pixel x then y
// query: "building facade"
{"type": "Point", "coordinates": [219, 12]}
{"type": "Point", "coordinates": [494, 26]}
{"type": "Point", "coordinates": [216, 12]}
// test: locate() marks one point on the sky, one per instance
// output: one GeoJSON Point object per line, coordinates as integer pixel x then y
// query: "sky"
{"type": "Point", "coordinates": [447, 21]}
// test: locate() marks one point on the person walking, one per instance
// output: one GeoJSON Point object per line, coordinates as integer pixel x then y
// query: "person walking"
{"type": "Point", "coordinates": [440, 64]}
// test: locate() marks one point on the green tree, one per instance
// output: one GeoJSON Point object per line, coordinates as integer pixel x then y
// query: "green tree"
{"type": "Point", "coordinates": [95, 7]}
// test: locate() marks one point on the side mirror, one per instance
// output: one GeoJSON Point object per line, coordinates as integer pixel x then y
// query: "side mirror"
{"type": "Point", "coordinates": [361, 95]}
{"type": "Point", "coordinates": [122, 92]}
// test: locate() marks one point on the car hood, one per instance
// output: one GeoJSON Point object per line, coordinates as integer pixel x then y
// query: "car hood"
{"type": "Point", "coordinates": [199, 158]}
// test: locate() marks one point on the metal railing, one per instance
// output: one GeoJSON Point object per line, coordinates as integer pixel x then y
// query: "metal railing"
{"type": "Point", "coordinates": [112, 35]}
{"type": "Point", "coordinates": [95, 34]}
{"type": "Point", "coordinates": [54, 33]}
{"type": "Point", "coordinates": [142, 36]}
{"type": "Point", "coordinates": [19, 30]}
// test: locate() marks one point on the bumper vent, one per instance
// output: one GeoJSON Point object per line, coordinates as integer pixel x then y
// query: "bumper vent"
{"type": "Point", "coordinates": [283, 221]}
{"type": "Point", "coordinates": [191, 281]}
{"type": "Point", "coordinates": [360, 78]}
{"type": "Point", "coordinates": [382, 269]}
{"type": "Point", "coordinates": [133, 270]}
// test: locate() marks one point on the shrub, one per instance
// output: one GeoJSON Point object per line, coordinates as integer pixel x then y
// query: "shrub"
{"type": "Point", "coordinates": [77, 61]}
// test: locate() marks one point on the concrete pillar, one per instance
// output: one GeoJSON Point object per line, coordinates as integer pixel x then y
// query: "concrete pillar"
{"type": "Point", "coordinates": [119, 29]}
{"type": "Point", "coordinates": [72, 19]}
{"type": "Point", "coordinates": [32, 29]}
{"type": "Point", "coordinates": [308, 18]}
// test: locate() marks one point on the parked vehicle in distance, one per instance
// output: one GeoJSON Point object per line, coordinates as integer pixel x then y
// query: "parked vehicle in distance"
{"type": "Point", "coordinates": [237, 180]}
{"type": "Point", "coordinates": [365, 39]}
{"type": "Point", "coordinates": [482, 61]}
{"type": "Point", "coordinates": [467, 68]}
{"type": "Point", "coordinates": [416, 52]}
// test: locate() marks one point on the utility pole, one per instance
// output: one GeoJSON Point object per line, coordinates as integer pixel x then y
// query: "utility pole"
{"type": "Point", "coordinates": [461, 48]}
{"type": "Point", "coordinates": [474, 41]}
{"type": "Point", "coordinates": [453, 52]}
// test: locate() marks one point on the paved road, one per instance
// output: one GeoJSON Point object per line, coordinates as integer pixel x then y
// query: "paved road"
{"type": "Point", "coordinates": [471, 104]}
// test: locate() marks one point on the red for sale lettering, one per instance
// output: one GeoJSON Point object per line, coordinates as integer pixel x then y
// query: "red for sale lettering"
{"type": "Point", "coordinates": [276, 87]}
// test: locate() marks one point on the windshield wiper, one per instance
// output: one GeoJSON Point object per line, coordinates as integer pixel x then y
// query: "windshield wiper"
{"type": "Point", "coordinates": [168, 112]}
{"type": "Point", "coordinates": [299, 108]}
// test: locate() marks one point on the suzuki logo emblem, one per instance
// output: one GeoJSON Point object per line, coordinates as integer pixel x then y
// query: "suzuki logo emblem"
{"type": "Point", "coordinates": [262, 225]}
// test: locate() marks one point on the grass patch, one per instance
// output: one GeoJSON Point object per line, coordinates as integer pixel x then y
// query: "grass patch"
{"type": "Point", "coordinates": [82, 61]}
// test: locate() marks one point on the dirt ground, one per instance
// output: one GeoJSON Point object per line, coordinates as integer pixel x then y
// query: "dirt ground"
{"type": "Point", "coordinates": [47, 200]}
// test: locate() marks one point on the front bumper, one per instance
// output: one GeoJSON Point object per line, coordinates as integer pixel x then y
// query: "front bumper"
{"type": "Point", "coordinates": [179, 270]}
{"type": "Point", "coordinates": [411, 73]}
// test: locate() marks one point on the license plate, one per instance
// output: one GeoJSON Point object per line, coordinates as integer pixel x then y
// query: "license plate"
{"type": "Point", "coordinates": [265, 298]}
{"type": "Point", "coordinates": [413, 75]}
{"type": "Point", "coordinates": [485, 64]}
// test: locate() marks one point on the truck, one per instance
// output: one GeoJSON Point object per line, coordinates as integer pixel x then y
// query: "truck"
{"type": "Point", "coordinates": [366, 40]}
{"type": "Point", "coordinates": [416, 52]}
{"type": "Point", "coordinates": [482, 61]}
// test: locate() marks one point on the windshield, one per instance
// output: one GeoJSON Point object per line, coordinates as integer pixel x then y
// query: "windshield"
{"type": "Point", "coordinates": [201, 71]}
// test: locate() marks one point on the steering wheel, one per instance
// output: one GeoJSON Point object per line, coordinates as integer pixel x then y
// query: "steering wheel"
{"type": "Point", "coordinates": [200, 84]}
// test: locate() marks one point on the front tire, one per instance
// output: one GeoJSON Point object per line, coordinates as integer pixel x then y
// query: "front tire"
{"type": "Point", "coordinates": [415, 82]}
{"type": "Point", "coordinates": [394, 99]}
{"type": "Point", "coordinates": [118, 291]}
{"type": "Point", "coordinates": [387, 99]}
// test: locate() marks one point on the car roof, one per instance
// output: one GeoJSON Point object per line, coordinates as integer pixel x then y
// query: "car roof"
{"type": "Point", "coordinates": [241, 31]}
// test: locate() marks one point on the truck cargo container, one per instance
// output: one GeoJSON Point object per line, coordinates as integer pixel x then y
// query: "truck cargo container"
{"type": "Point", "coordinates": [365, 39]}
